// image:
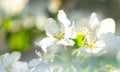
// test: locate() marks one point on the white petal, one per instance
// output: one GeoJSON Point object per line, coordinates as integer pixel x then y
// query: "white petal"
{"type": "Point", "coordinates": [93, 21]}
{"type": "Point", "coordinates": [107, 26]}
{"type": "Point", "coordinates": [69, 32]}
{"type": "Point", "coordinates": [15, 56]}
{"type": "Point", "coordinates": [20, 67]}
{"type": "Point", "coordinates": [63, 18]}
{"type": "Point", "coordinates": [11, 58]}
{"type": "Point", "coordinates": [66, 42]}
{"type": "Point", "coordinates": [46, 42]}
{"type": "Point", "coordinates": [34, 62]}
{"type": "Point", "coordinates": [51, 27]}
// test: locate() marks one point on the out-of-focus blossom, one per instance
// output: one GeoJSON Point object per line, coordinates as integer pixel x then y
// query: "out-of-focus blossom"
{"type": "Point", "coordinates": [13, 6]}
{"type": "Point", "coordinates": [54, 6]}
{"type": "Point", "coordinates": [20, 67]}
{"type": "Point", "coordinates": [40, 22]}
{"type": "Point", "coordinates": [11, 63]}
{"type": "Point", "coordinates": [55, 33]}
{"type": "Point", "coordinates": [28, 22]}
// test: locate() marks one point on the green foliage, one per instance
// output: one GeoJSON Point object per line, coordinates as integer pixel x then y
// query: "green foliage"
{"type": "Point", "coordinates": [18, 37]}
{"type": "Point", "coordinates": [7, 22]}
{"type": "Point", "coordinates": [19, 41]}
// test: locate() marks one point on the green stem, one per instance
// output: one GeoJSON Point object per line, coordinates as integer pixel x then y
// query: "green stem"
{"type": "Point", "coordinates": [67, 56]}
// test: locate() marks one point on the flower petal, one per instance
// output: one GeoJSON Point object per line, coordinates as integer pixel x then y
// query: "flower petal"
{"type": "Point", "coordinates": [20, 67]}
{"type": "Point", "coordinates": [46, 42]}
{"type": "Point", "coordinates": [100, 46]}
{"type": "Point", "coordinates": [15, 56]}
{"type": "Point", "coordinates": [12, 58]}
{"type": "Point", "coordinates": [93, 21]}
{"type": "Point", "coordinates": [69, 33]}
{"type": "Point", "coordinates": [107, 26]}
{"type": "Point", "coordinates": [34, 62]}
{"type": "Point", "coordinates": [51, 27]}
{"type": "Point", "coordinates": [63, 18]}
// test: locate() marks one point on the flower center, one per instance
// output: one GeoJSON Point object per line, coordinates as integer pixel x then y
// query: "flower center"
{"type": "Point", "coordinates": [59, 35]}
{"type": "Point", "coordinates": [85, 38]}
{"type": "Point", "coordinates": [91, 44]}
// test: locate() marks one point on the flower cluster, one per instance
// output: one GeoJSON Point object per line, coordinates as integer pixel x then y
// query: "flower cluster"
{"type": "Point", "coordinates": [90, 38]}
{"type": "Point", "coordinates": [64, 41]}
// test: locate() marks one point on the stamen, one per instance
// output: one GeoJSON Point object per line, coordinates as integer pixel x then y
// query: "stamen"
{"type": "Point", "coordinates": [85, 38]}
{"type": "Point", "coordinates": [59, 35]}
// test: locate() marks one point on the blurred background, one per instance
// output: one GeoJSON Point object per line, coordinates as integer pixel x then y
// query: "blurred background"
{"type": "Point", "coordinates": [22, 21]}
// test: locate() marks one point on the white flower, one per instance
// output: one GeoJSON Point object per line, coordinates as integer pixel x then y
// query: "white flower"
{"type": "Point", "coordinates": [57, 34]}
{"type": "Point", "coordinates": [10, 63]}
{"type": "Point", "coordinates": [98, 35]}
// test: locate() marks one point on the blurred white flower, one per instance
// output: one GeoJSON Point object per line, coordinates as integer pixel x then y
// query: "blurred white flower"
{"type": "Point", "coordinates": [10, 63]}
{"type": "Point", "coordinates": [28, 22]}
{"type": "Point", "coordinates": [54, 5]}
{"type": "Point", "coordinates": [40, 21]}
{"type": "Point", "coordinates": [55, 33]}
{"type": "Point", "coordinates": [13, 6]}
{"type": "Point", "coordinates": [20, 67]}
